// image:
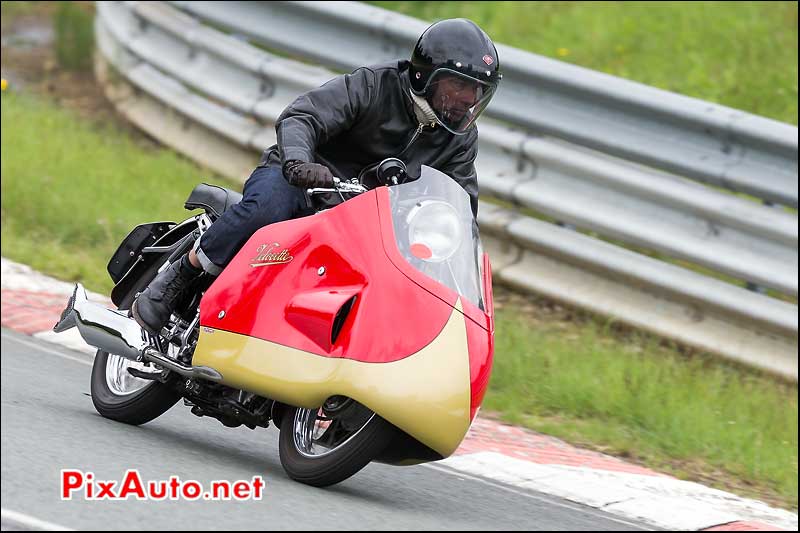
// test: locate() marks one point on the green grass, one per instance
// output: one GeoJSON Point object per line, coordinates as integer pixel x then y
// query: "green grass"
{"type": "Point", "coordinates": [15, 9]}
{"type": "Point", "coordinates": [739, 54]}
{"type": "Point", "coordinates": [71, 190]}
{"type": "Point", "coordinates": [73, 28]}
{"type": "Point", "coordinates": [74, 36]}
{"type": "Point", "coordinates": [646, 401]}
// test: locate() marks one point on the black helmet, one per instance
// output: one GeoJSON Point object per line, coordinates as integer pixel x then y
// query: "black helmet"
{"type": "Point", "coordinates": [456, 68]}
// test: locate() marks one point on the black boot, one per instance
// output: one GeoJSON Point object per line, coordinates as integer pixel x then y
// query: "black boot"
{"type": "Point", "coordinates": [153, 308]}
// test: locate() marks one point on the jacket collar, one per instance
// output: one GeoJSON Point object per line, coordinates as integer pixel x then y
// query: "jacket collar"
{"type": "Point", "coordinates": [405, 87]}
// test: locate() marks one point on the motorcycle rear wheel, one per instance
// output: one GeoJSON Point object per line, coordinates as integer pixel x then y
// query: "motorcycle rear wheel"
{"type": "Point", "coordinates": [320, 448]}
{"type": "Point", "coordinates": [118, 395]}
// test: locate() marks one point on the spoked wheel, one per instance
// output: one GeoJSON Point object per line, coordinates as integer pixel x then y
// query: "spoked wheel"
{"type": "Point", "coordinates": [117, 394]}
{"type": "Point", "coordinates": [324, 446]}
{"type": "Point", "coordinates": [120, 396]}
{"type": "Point", "coordinates": [123, 383]}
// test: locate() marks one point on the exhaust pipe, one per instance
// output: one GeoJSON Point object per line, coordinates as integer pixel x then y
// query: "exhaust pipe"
{"type": "Point", "coordinates": [116, 333]}
{"type": "Point", "coordinates": [102, 328]}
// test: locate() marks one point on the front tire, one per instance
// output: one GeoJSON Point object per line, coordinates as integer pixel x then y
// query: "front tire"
{"type": "Point", "coordinates": [364, 435]}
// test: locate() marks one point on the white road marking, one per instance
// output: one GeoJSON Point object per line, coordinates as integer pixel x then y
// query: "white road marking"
{"type": "Point", "coordinates": [662, 501]}
{"type": "Point", "coordinates": [548, 501]}
{"type": "Point", "coordinates": [30, 522]}
{"type": "Point", "coordinates": [46, 349]}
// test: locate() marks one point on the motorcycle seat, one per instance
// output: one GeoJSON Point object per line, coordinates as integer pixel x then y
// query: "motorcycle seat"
{"type": "Point", "coordinates": [213, 198]}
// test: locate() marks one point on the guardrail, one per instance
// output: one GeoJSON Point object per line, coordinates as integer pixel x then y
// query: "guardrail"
{"type": "Point", "coordinates": [696, 139]}
{"type": "Point", "coordinates": [216, 97]}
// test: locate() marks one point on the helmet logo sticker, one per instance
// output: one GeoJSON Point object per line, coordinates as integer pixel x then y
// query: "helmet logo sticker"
{"type": "Point", "coordinates": [488, 59]}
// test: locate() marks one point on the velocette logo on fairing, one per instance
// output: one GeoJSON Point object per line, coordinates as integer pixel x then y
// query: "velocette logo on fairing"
{"type": "Point", "coordinates": [268, 254]}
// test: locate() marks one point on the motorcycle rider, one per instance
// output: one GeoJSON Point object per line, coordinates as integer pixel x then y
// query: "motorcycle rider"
{"type": "Point", "coordinates": [422, 111]}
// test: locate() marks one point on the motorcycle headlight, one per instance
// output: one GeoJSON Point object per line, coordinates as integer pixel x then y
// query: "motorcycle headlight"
{"type": "Point", "coordinates": [434, 231]}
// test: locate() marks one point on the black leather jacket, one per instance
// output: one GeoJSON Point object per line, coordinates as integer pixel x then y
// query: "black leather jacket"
{"type": "Point", "coordinates": [356, 120]}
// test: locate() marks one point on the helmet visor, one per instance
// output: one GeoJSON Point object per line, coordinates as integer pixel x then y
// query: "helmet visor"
{"type": "Point", "coordinates": [457, 99]}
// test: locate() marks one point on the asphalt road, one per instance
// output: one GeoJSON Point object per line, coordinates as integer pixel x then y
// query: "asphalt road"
{"type": "Point", "coordinates": [49, 424]}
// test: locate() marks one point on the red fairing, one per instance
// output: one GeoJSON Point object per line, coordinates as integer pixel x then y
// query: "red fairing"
{"type": "Point", "coordinates": [314, 312]}
{"type": "Point", "coordinates": [488, 294]}
{"type": "Point", "coordinates": [480, 324]}
{"type": "Point", "coordinates": [293, 280]}
{"type": "Point", "coordinates": [481, 344]}
{"type": "Point", "coordinates": [481, 351]}
{"type": "Point", "coordinates": [445, 293]}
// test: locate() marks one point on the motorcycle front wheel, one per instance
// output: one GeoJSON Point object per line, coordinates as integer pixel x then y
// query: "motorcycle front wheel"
{"type": "Point", "coordinates": [324, 446]}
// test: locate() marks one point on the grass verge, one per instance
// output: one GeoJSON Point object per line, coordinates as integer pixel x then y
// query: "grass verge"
{"type": "Point", "coordinates": [71, 190]}
{"type": "Point", "coordinates": [629, 394]}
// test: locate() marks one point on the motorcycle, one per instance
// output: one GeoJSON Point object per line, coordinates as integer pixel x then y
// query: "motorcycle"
{"type": "Point", "coordinates": [364, 332]}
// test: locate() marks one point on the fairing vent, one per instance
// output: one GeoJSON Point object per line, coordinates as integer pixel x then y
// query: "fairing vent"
{"type": "Point", "coordinates": [340, 318]}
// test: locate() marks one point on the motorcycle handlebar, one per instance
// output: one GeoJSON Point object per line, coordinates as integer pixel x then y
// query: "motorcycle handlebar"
{"type": "Point", "coordinates": [339, 186]}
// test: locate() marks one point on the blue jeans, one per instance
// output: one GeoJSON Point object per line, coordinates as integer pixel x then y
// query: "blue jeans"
{"type": "Point", "coordinates": [267, 198]}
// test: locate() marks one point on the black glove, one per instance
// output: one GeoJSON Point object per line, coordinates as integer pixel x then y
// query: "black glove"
{"type": "Point", "coordinates": [307, 175]}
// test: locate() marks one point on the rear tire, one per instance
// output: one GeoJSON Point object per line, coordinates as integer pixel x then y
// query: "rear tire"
{"type": "Point", "coordinates": [146, 403]}
{"type": "Point", "coordinates": [337, 464]}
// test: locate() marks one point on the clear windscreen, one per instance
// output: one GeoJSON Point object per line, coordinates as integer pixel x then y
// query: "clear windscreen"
{"type": "Point", "coordinates": [437, 234]}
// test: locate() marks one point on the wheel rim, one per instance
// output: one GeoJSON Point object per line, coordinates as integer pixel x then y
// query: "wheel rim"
{"type": "Point", "coordinates": [120, 381]}
{"type": "Point", "coordinates": [123, 383]}
{"type": "Point", "coordinates": [318, 432]}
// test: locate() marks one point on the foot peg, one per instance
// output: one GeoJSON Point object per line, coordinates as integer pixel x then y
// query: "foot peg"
{"type": "Point", "coordinates": [116, 333]}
